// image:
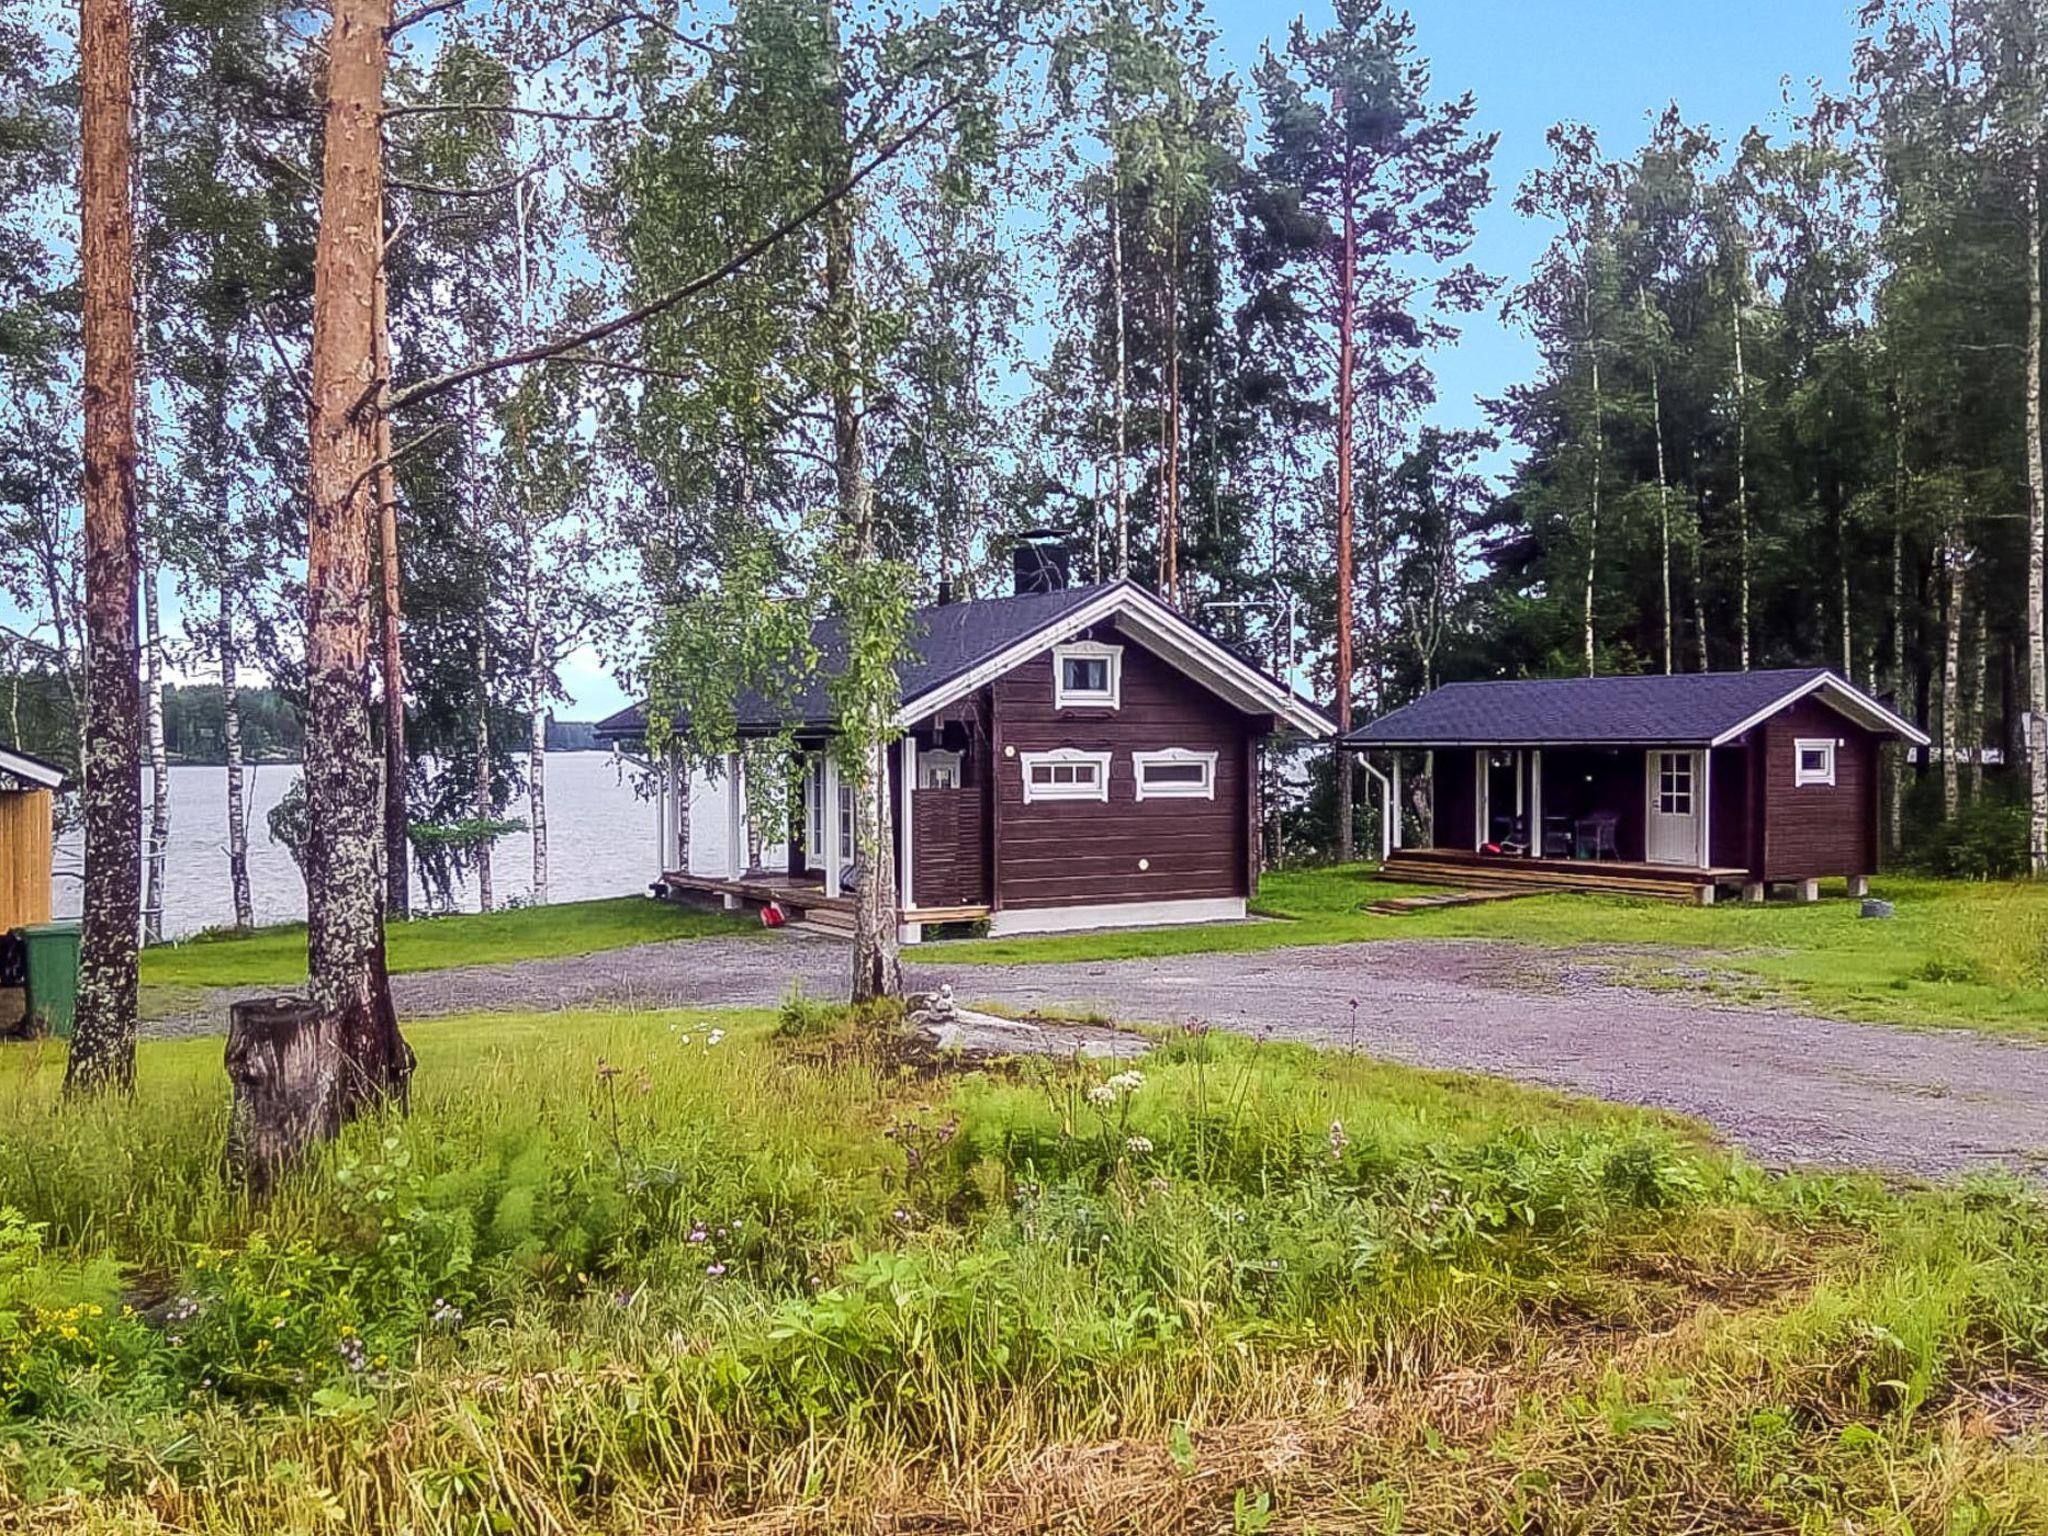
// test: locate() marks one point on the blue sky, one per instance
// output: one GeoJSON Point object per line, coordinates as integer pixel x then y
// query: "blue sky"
{"type": "Point", "coordinates": [1608, 63]}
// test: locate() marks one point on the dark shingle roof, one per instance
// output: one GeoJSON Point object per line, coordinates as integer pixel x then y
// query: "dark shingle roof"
{"type": "Point", "coordinates": [944, 642]}
{"type": "Point", "coordinates": [1688, 708]}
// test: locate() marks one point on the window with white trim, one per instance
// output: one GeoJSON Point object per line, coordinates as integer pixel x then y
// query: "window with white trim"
{"type": "Point", "coordinates": [1175, 773]}
{"type": "Point", "coordinates": [938, 770]}
{"type": "Point", "coordinates": [1087, 675]}
{"type": "Point", "coordinates": [1065, 774]}
{"type": "Point", "coordinates": [846, 823]}
{"type": "Point", "coordinates": [1815, 762]}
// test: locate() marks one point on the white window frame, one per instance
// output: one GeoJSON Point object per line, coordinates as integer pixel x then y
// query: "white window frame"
{"type": "Point", "coordinates": [1675, 776]}
{"type": "Point", "coordinates": [1065, 756]}
{"type": "Point", "coordinates": [846, 822]}
{"type": "Point", "coordinates": [1064, 697]}
{"type": "Point", "coordinates": [1175, 757]}
{"type": "Point", "coordinates": [1802, 776]}
{"type": "Point", "coordinates": [933, 759]}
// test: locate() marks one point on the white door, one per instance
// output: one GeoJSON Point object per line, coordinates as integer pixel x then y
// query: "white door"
{"type": "Point", "coordinates": [1674, 818]}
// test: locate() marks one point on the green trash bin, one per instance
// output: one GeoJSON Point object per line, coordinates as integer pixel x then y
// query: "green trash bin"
{"type": "Point", "coordinates": [52, 975]}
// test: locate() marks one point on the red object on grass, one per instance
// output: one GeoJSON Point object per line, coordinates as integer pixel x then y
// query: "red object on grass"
{"type": "Point", "coordinates": [772, 916]}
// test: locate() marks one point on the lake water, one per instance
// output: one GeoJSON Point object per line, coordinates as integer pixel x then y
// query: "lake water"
{"type": "Point", "coordinates": [600, 843]}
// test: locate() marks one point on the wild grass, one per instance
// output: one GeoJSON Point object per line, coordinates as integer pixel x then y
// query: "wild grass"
{"type": "Point", "coordinates": [683, 1272]}
{"type": "Point", "coordinates": [276, 956]}
{"type": "Point", "coordinates": [1958, 953]}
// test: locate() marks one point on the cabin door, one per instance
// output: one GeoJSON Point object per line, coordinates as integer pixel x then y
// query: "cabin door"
{"type": "Point", "coordinates": [1674, 809]}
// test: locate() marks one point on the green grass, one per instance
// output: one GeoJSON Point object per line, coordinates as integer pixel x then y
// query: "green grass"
{"type": "Point", "coordinates": [615, 1275]}
{"type": "Point", "coordinates": [277, 956]}
{"type": "Point", "coordinates": [1958, 953]}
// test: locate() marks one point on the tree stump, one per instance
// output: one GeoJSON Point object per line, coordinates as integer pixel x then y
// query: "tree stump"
{"type": "Point", "coordinates": [286, 1066]}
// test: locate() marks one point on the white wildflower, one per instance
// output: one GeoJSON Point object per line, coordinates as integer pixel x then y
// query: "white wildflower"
{"type": "Point", "coordinates": [1137, 1146]}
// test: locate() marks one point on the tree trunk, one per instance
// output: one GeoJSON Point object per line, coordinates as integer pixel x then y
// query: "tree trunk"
{"type": "Point", "coordinates": [877, 967]}
{"type": "Point", "coordinates": [537, 784]}
{"type": "Point", "coordinates": [345, 928]}
{"type": "Point", "coordinates": [159, 836]}
{"type": "Point", "coordinates": [1952, 563]}
{"type": "Point", "coordinates": [102, 1053]}
{"type": "Point", "coordinates": [1347, 320]}
{"type": "Point", "coordinates": [285, 1061]}
{"type": "Point", "coordinates": [1977, 647]}
{"type": "Point", "coordinates": [231, 739]}
{"type": "Point", "coordinates": [1599, 462]}
{"type": "Point", "coordinates": [2037, 541]}
{"type": "Point", "coordinates": [1901, 768]}
{"type": "Point", "coordinates": [486, 897]}
{"type": "Point", "coordinates": [1122, 393]}
{"type": "Point", "coordinates": [397, 845]}
{"type": "Point", "coordinates": [1170, 538]}
{"type": "Point", "coordinates": [227, 639]}
{"type": "Point", "coordinates": [1663, 495]}
{"type": "Point", "coordinates": [1742, 478]}
{"type": "Point", "coordinates": [533, 610]}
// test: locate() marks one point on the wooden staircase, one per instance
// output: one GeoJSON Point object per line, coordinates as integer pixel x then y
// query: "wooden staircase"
{"type": "Point", "coordinates": [1506, 874]}
{"type": "Point", "coordinates": [1401, 906]}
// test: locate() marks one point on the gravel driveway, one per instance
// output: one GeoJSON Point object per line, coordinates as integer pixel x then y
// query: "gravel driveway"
{"type": "Point", "coordinates": [1789, 1088]}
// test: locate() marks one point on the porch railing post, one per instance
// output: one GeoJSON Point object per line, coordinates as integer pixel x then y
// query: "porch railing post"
{"type": "Point", "coordinates": [735, 823]}
{"type": "Point", "coordinates": [833, 886]}
{"type": "Point", "coordinates": [1394, 814]}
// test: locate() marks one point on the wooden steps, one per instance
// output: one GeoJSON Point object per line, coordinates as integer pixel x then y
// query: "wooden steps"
{"type": "Point", "coordinates": [1507, 874]}
{"type": "Point", "coordinates": [1401, 906]}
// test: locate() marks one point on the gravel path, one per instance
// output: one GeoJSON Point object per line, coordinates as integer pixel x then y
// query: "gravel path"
{"type": "Point", "coordinates": [1789, 1088]}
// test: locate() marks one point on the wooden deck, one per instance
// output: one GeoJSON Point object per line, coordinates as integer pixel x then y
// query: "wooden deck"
{"type": "Point", "coordinates": [804, 900]}
{"type": "Point", "coordinates": [1471, 871]}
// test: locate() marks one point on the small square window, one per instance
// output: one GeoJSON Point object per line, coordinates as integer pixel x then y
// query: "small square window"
{"type": "Point", "coordinates": [1815, 763]}
{"type": "Point", "coordinates": [1086, 675]}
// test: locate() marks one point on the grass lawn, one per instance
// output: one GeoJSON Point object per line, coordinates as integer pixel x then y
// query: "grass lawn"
{"type": "Point", "coordinates": [672, 1272]}
{"type": "Point", "coordinates": [277, 956]}
{"type": "Point", "coordinates": [1957, 953]}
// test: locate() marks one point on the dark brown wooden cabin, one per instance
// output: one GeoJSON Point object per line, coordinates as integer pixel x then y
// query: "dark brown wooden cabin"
{"type": "Point", "coordinates": [1664, 785]}
{"type": "Point", "coordinates": [1073, 758]}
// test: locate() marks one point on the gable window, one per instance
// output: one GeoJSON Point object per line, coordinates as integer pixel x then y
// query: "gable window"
{"type": "Point", "coordinates": [1815, 763]}
{"type": "Point", "coordinates": [1175, 774]}
{"type": "Point", "coordinates": [1067, 774]}
{"type": "Point", "coordinates": [1087, 675]}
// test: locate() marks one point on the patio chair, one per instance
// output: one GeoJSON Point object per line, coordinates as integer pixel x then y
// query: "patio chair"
{"type": "Point", "coordinates": [1557, 837]}
{"type": "Point", "coordinates": [1596, 836]}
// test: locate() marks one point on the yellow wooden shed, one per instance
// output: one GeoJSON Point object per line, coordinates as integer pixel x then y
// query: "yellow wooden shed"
{"type": "Point", "coordinates": [26, 787]}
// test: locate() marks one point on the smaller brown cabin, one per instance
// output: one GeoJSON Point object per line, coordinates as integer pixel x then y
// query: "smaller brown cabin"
{"type": "Point", "coordinates": [1068, 758]}
{"type": "Point", "coordinates": [1677, 785]}
{"type": "Point", "coordinates": [26, 787]}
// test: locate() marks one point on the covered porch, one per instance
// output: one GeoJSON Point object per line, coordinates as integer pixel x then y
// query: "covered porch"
{"type": "Point", "coordinates": [713, 843]}
{"type": "Point", "coordinates": [1669, 821]}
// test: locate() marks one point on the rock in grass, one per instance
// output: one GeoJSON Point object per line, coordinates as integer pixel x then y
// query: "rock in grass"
{"type": "Point", "coordinates": [1872, 907]}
